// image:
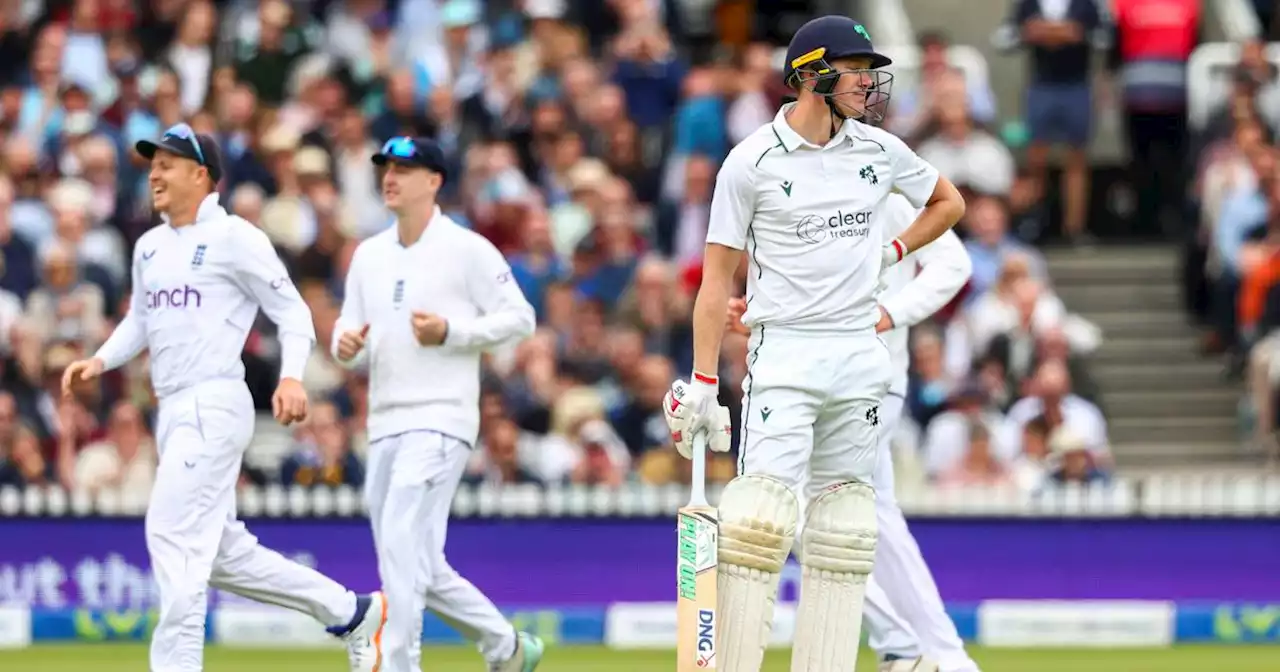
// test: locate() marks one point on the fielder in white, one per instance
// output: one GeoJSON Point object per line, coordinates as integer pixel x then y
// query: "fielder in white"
{"type": "Point", "coordinates": [198, 281]}
{"type": "Point", "coordinates": [424, 299]}
{"type": "Point", "coordinates": [804, 197]}
{"type": "Point", "coordinates": [904, 614]}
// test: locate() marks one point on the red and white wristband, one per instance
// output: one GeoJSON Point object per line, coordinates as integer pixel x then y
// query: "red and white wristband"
{"type": "Point", "coordinates": [704, 379]}
{"type": "Point", "coordinates": [894, 251]}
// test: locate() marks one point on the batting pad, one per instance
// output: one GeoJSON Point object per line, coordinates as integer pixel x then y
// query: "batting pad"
{"type": "Point", "coordinates": [758, 516]}
{"type": "Point", "coordinates": [838, 548]}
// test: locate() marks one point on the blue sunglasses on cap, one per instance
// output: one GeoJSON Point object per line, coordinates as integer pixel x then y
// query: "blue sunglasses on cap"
{"type": "Point", "coordinates": [402, 148]}
{"type": "Point", "coordinates": [185, 133]}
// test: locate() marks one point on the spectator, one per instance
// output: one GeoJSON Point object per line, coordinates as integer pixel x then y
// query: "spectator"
{"type": "Point", "coordinates": [499, 463]}
{"type": "Point", "coordinates": [1050, 395]}
{"type": "Point", "coordinates": [1032, 466]}
{"type": "Point", "coordinates": [1075, 462]}
{"type": "Point", "coordinates": [65, 307]}
{"type": "Point", "coordinates": [916, 108]}
{"type": "Point", "coordinates": [125, 459]}
{"type": "Point", "coordinates": [19, 276]}
{"type": "Point", "coordinates": [949, 449]}
{"type": "Point", "coordinates": [1150, 59]}
{"type": "Point", "coordinates": [1059, 100]}
{"type": "Point", "coordinates": [322, 453]}
{"type": "Point", "coordinates": [979, 467]}
{"type": "Point", "coordinates": [972, 158]}
{"type": "Point", "coordinates": [990, 243]}
{"type": "Point", "coordinates": [1242, 218]}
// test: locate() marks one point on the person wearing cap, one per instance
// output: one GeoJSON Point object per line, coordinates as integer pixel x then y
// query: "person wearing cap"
{"type": "Point", "coordinates": [424, 299]}
{"type": "Point", "coordinates": [198, 281]}
{"type": "Point", "coordinates": [806, 199]}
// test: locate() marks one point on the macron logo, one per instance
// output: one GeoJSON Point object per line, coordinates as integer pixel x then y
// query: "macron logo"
{"type": "Point", "coordinates": [185, 296]}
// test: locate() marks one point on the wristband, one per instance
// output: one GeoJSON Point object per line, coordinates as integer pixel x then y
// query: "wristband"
{"type": "Point", "coordinates": [704, 379]}
{"type": "Point", "coordinates": [899, 249]}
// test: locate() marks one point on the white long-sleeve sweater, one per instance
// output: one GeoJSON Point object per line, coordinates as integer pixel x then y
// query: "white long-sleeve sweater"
{"type": "Point", "coordinates": [451, 272]}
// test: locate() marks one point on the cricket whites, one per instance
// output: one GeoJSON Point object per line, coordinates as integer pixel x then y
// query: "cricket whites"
{"type": "Point", "coordinates": [698, 530]}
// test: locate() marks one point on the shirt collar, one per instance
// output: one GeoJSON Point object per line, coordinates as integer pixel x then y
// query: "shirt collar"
{"type": "Point", "coordinates": [791, 141]}
{"type": "Point", "coordinates": [437, 219]}
{"type": "Point", "coordinates": [209, 209]}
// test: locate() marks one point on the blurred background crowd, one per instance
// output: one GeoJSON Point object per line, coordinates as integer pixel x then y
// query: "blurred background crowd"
{"type": "Point", "coordinates": [584, 139]}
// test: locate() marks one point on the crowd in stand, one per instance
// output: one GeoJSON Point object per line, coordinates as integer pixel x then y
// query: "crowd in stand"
{"type": "Point", "coordinates": [584, 139]}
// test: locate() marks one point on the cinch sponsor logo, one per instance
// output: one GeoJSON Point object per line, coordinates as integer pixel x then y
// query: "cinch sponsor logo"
{"type": "Point", "coordinates": [814, 229]}
{"type": "Point", "coordinates": [185, 296]}
{"type": "Point", "coordinates": [706, 637]}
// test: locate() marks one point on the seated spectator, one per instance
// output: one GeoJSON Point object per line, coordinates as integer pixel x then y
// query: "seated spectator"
{"type": "Point", "coordinates": [971, 158]}
{"type": "Point", "coordinates": [639, 422]}
{"type": "Point", "coordinates": [989, 241]}
{"type": "Point", "coordinates": [322, 455]}
{"type": "Point", "coordinates": [1031, 467]}
{"type": "Point", "coordinates": [499, 462]}
{"type": "Point", "coordinates": [20, 266]}
{"type": "Point", "coordinates": [930, 385]}
{"type": "Point", "coordinates": [602, 458]}
{"type": "Point", "coordinates": [1049, 395]}
{"type": "Point", "coordinates": [1074, 461]}
{"type": "Point", "coordinates": [1017, 307]}
{"type": "Point", "coordinates": [65, 307]}
{"type": "Point", "coordinates": [915, 109]}
{"type": "Point", "coordinates": [124, 460]}
{"type": "Point", "coordinates": [979, 467]}
{"type": "Point", "coordinates": [1243, 218]}
{"type": "Point", "coordinates": [949, 436]}
{"type": "Point", "coordinates": [22, 463]}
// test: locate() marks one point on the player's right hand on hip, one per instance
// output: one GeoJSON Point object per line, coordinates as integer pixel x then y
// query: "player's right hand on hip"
{"type": "Point", "coordinates": [80, 371]}
{"type": "Point", "coordinates": [737, 308]}
{"type": "Point", "coordinates": [694, 407]}
{"type": "Point", "coordinates": [351, 343]}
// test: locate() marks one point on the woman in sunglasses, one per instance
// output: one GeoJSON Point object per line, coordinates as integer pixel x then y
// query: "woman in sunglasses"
{"type": "Point", "coordinates": [198, 282]}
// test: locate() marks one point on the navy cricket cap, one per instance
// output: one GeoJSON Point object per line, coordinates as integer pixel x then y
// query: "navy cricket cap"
{"type": "Point", "coordinates": [182, 140]}
{"type": "Point", "coordinates": [826, 39]}
{"type": "Point", "coordinates": [415, 152]}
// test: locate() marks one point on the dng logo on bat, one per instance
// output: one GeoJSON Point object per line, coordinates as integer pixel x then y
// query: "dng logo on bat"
{"type": "Point", "coordinates": [185, 296]}
{"type": "Point", "coordinates": [706, 637]}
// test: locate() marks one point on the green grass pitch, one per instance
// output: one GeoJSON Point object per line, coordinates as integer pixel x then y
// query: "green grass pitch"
{"type": "Point", "coordinates": [132, 658]}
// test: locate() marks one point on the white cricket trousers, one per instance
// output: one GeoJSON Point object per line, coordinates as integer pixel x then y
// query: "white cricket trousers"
{"type": "Point", "coordinates": [903, 612]}
{"type": "Point", "coordinates": [193, 536]}
{"type": "Point", "coordinates": [410, 481]}
{"type": "Point", "coordinates": [810, 407]}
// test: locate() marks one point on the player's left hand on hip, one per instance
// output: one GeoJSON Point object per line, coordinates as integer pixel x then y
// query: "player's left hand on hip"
{"type": "Point", "coordinates": [429, 328]}
{"type": "Point", "coordinates": [892, 252]}
{"type": "Point", "coordinates": [694, 407]}
{"type": "Point", "coordinates": [289, 403]}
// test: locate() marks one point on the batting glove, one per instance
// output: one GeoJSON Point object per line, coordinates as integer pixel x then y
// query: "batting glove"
{"type": "Point", "coordinates": [693, 407]}
{"type": "Point", "coordinates": [893, 252]}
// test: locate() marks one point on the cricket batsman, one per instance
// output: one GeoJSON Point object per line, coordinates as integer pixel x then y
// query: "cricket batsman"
{"type": "Point", "coordinates": [904, 614]}
{"type": "Point", "coordinates": [424, 299]}
{"type": "Point", "coordinates": [198, 281]}
{"type": "Point", "coordinates": [804, 196]}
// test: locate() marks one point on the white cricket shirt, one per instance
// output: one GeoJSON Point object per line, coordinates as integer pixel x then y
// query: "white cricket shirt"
{"type": "Point", "coordinates": [196, 293]}
{"type": "Point", "coordinates": [808, 218]}
{"type": "Point", "coordinates": [454, 273]}
{"type": "Point", "coordinates": [919, 285]}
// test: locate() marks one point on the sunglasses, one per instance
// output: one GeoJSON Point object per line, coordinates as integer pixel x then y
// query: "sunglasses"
{"type": "Point", "coordinates": [401, 148]}
{"type": "Point", "coordinates": [186, 134]}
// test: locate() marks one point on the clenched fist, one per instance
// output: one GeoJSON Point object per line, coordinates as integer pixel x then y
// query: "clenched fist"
{"type": "Point", "coordinates": [429, 329]}
{"type": "Point", "coordinates": [289, 403]}
{"type": "Point", "coordinates": [351, 343]}
{"type": "Point", "coordinates": [82, 371]}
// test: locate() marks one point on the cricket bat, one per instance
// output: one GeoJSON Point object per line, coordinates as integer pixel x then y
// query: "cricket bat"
{"type": "Point", "coordinates": [698, 530]}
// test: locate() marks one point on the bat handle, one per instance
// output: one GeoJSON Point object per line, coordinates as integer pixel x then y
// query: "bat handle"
{"type": "Point", "coordinates": [698, 482]}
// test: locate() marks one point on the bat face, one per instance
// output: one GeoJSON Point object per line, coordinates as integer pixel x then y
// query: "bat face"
{"type": "Point", "coordinates": [698, 531]}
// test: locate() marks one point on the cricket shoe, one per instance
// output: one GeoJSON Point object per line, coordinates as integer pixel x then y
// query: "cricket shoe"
{"type": "Point", "coordinates": [899, 664]}
{"type": "Point", "coordinates": [528, 654]}
{"type": "Point", "coordinates": [363, 635]}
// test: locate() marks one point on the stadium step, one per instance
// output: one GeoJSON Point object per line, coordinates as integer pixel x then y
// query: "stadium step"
{"type": "Point", "coordinates": [1168, 349]}
{"type": "Point", "coordinates": [1166, 405]}
{"type": "Point", "coordinates": [1158, 403]}
{"type": "Point", "coordinates": [1171, 428]}
{"type": "Point", "coordinates": [1191, 456]}
{"type": "Point", "coordinates": [1154, 297]}
{"type": "Point", "coordinates": [1139, 323]}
